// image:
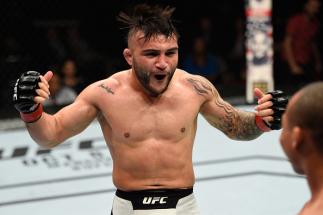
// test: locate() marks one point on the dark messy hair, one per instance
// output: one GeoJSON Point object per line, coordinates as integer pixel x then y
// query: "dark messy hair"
{"type": "Point", "coordinates": [307, 112]}
{"type": "Point", "coordinates": [152, 20]}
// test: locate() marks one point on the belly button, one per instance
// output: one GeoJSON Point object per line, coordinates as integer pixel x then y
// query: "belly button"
{"type": "Point", "coordinates": [182, 130]}
{"type": "Point", "coordinates": [126, 135]}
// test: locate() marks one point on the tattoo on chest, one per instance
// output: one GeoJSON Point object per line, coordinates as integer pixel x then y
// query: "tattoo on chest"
{"type": "Point", "coordinates": [106, 88]}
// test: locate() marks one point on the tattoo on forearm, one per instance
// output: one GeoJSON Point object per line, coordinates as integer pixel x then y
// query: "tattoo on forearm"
{"type": "Point", "coordinates": [226, 122]}
{"type": "Point", "coordinates": [236, 124]}
{"type": "Point", "coordinates": [246, 128]}
{"type": "Point", "coordinates": [106, 88]}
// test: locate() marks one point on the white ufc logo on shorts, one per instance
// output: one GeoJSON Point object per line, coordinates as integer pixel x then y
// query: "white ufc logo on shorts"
{"type": "Point", "coordinates": [153, 200]}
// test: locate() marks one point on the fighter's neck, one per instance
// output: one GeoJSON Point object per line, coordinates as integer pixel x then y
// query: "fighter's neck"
{"type": "Point", "coordinates": [314, 178]}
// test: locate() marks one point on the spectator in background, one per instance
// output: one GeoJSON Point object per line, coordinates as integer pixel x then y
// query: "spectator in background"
{"type": "Point", "coordinates": [86, 57]}
{"type": "Point", "coordinates": [56, 47]}
{"type": "Point", "coordinates": [79, 46]}
{"type": "Point", "coordinates": [60, 94]}
{"type": "Point", "coordinates": [202, 62]}
{"type": "Point", "coordinates": [70, 76]}
{"type": "Point", "coordinates": [237, 56]}
{"type": "Point", "coordinates": [300, 50]}
{"type": "Point", "coordinates": [205, 27]}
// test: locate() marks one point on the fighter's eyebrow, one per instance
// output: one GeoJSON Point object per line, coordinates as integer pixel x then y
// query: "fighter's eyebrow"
{"type": "Point", "coordinates": [157, 50]}
{"type": "Point", "coordinates": [172, 49]}
{"type": "Point", "coordinates": [150, 50]}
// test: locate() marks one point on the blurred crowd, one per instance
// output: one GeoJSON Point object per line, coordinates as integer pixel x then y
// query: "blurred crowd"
{"type": "Point", "coordinates": [212, 44]}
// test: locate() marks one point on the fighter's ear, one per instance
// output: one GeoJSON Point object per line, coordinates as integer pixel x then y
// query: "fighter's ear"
{"type": "Point", "coordinates": [298, 137]}
{"type": "Point", "coordinates": [128, 55]}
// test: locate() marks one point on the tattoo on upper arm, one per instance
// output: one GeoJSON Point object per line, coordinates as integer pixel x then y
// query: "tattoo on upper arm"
{"type": "Point", "coordinates": [204, 88]}
{"type": "Point", "coordinates": [106, 88]}
{"type": "Point", "coordinates": [200, 87]}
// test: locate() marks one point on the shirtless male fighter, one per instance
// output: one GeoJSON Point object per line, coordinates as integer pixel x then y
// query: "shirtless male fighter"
{"type": "Point", "coordinates": [148, 116]}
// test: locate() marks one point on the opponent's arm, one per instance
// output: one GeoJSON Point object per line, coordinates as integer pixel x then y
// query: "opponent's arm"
{"type": "Point", "coordinates": [31, 90]}
{"type": "Point", "coordinates": [236, 124]}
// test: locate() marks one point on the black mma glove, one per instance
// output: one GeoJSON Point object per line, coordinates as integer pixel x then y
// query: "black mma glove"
{"type": "Point", "coordinates": [23, 96]}
{"type": "Point", "coordinates": [280, 101]}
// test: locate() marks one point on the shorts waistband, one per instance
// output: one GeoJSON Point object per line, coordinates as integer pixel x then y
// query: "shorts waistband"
{"type": "Point", "coordinates": [154, 199]}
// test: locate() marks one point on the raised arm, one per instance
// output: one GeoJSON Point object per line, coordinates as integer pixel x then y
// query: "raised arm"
{"type": "Point", "coordinates": [49, 130]}
{"type": "Point", "coordinates": [236, 124]}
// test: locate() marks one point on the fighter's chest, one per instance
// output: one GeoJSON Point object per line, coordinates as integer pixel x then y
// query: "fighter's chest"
{"type": "Point", "coordinates": [136, 119]}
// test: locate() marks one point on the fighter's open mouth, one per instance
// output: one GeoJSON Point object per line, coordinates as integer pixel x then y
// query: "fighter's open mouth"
{"type": "Point", "coordinates": [160, 77]}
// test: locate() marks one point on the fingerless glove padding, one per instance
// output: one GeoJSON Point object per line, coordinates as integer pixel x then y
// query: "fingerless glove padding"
{"type": "Point", "coordinates": [25, 91]}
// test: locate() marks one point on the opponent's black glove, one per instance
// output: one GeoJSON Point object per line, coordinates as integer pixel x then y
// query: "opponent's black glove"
{"type": "Point", "coordinates": [23, 96]}
{"type": "Point", "coordinates": [280, 101]}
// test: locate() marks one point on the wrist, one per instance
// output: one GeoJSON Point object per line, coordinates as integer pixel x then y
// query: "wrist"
{"type": "Point", "coordinates": [33, 116]}
{"type": "Point", "coordinates": [261, 124]}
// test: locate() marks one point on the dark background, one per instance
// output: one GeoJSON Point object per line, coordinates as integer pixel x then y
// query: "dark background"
{"type": "Point", "coordinates": [24, 26]}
